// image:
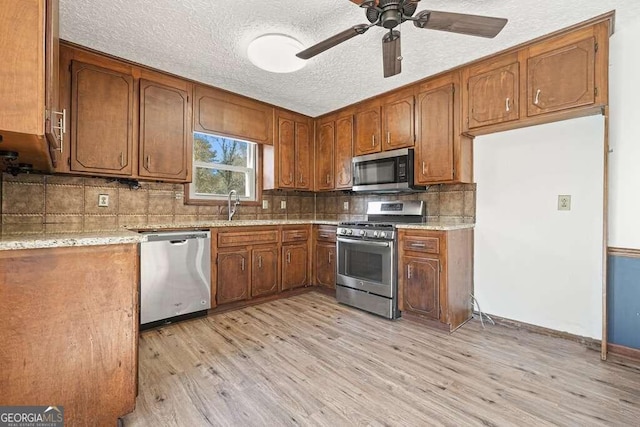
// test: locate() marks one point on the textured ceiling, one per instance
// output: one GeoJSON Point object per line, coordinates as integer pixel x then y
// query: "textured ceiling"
{"type": "Point", "coordinates": [206, 40]}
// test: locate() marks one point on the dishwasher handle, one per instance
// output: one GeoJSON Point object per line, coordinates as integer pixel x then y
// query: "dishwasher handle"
{"type": "Point", "coordinates": [176, 237]}
{"type": "Point", "coordinates": [178, 242]}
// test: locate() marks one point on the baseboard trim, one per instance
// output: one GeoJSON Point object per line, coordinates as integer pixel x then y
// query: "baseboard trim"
{"type": "Point", "coordinates": [323, 290]}
{"type": "Point", "coordinates": [591, 343]}
{"type": "Point", "coordinates": [621, 350]}
{"type": "Point", "coordinates": [247, 303]}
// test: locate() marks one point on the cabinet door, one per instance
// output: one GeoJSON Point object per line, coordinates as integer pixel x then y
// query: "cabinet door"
{"type": "Point", "coordinates": [324, 155]}
{"type": "Point", "coordinates": [344, 152]}
{"type": "Point", "coordinates": [165, 133]}
{"type": "Point", "coordinates": [325, 259]}
{"type": "Point", "coordinates": [303, 150]}
{"type": "Point", "coordinates": [294, 266]}
{"type": "Point", "coordinates": [367, 131]}
{"type": "Point", "coordinates": [434, 145]}
{"type": "Point", "coordinates": [233, 276]}
{"type": "Point", "coordinates": [264, 271]}
{"type": "Point", "coordinates": [493, 95]}
{"type": "Point", "coordinates": [422, 285]}
{"type": "Point", "coordinates": [286, 149]}
{"type": "Point", "coordinates": [398, 123]}
{"type": "Point", "coordinates": [561, 78]}
{"type": "Point", "coordinates": [102, 120]}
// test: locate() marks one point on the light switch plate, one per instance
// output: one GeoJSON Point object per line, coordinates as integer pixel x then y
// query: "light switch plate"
{"type": "Point", "coordinates": [283, 204]}
{"type": "Point", "coordinates": [564, 202]}
{"type": "Point", "coordinates": [103, 200]}
{"type": "Point", "coordinates": [265, 204]}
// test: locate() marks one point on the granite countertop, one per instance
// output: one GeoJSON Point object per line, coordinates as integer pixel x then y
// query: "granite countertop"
{"type": "Point", "coordinates": [131, 236]}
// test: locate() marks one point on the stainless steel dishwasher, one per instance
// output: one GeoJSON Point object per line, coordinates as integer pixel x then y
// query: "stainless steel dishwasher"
{"type": "Point", "coordinates": [175, 276]}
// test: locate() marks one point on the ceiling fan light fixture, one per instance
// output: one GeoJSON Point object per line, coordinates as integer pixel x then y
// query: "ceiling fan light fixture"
{"type": "Point", "coordinates": [276, 53]}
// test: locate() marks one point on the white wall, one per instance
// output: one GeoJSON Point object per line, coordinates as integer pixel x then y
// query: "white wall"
{"type": "Point", "coordinates": [533, 263]}
{"type": "Point", "coordinates": [624, 108]}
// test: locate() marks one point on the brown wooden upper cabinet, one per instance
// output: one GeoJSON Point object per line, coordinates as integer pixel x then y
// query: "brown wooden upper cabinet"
{"type": "Point", "coordinates": [344, 152]}
{"type": "Point", "coordinates": [442, 153]}
{"type": "Point", "coordinates": [102, 107]}
{"type": "Point", "coordinates": [29, 84]}
{"type": "Point", "coordinates": [292, 154]}
{"type": "Point", "coordinates": [397, 120]}
{"type": "Point", "coordinates": [561, 75]}
{"type": "Point", "coordinates": [324, 161]}
{"type": "Point", "coordinates": [366, 125]}
{"type": "Point", "coordinates": [227, 114]}
{"type": "Point", "coordinates": [165, 130]}
{"type": "Point", "coordinates": [493, 91]}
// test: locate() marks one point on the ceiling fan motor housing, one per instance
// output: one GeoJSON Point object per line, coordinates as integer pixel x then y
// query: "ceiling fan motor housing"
{"type": "Point", "coordinates": [390, 13]}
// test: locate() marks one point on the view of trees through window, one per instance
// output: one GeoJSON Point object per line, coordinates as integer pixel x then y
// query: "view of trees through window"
{"type": "Point", "coordinates": [223, 164]}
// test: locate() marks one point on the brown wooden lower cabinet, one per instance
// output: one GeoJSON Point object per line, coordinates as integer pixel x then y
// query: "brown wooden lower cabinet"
{"type": "Point", "coordinates": [264, 266]}
{"type": "Point", "coordinates": [233, 276]}
{"type": "Point", "coordinates": [435, 277]}
{"type": "Point", "coordinates": [295, 269]}
{"type": "Point", "coordinates": [324, 258]}
{"type": "Point", "coordinates": [69, 330]}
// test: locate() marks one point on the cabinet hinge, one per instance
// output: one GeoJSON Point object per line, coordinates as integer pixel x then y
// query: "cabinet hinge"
{"type": "Point", "coordinates": [595, 91]}
{"type": "Point", "coordinates": [595, 47]}
{"type": "Point", "coordinates": [440, 268]}
{"type": "Point", "coordinates": [69, 162]}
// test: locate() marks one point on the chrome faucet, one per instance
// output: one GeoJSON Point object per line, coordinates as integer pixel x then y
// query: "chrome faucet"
{"type": "Point", "coordinates": [232, 212]}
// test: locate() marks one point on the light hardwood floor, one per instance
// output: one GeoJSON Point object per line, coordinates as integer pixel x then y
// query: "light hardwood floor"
{"type": "Point", "coordinates": [308, 361]}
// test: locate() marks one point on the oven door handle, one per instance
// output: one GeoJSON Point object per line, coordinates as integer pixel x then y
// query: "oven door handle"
{"type": "Point", "coordinates": [364, 242]}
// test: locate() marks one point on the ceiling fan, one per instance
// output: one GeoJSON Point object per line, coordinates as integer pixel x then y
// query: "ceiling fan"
{"type": "Point", "coordinates": [391, 13]}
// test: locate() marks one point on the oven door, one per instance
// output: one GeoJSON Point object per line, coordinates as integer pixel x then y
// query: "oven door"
{"type": "Point", "coordinates": [367, 266]}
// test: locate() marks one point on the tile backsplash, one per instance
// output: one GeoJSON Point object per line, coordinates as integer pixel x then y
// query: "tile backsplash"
{"type": "Point", "coordinates": [56, 203]}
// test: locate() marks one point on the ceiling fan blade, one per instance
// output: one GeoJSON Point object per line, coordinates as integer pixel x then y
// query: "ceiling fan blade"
{"type": "Point", "coordinates": [472, 25]}
{"type": "Point", "coordinates": [333, 41]}
{"type": "Point", "coordinates": [391, 58]}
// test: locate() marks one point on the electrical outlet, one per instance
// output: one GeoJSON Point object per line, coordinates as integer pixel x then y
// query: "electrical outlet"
{"type": "Point", "coordinates": [265, 204]}
{"type": "Point", "coordinates": [345, 206]}
{"type": "Point", "coordinates": [283, 204]}
{"type": "Point", "coordinates": [103, 200]}
{"type": "Point", "coordinates": [564, 202]}
{"type": "Point", "coordinates": [179, 196]}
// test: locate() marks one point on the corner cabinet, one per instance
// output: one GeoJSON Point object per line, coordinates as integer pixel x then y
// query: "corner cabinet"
{"type": "Point", "coordinates": [436, 275]}
{"type": "Point", "coordinates": [442, 154]}
{"type": "Point", "coordinates": [288, 164]}
{"type": "Point", "coordinates": [165, 130]}
{"type": "Point", "coordinates": [31, 120]}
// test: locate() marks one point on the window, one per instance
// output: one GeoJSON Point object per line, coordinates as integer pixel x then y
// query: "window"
{"type": "Point", "coordinates": [221, 165]}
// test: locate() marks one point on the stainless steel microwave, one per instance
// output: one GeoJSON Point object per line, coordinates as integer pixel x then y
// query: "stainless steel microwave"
{"type": "Point", "coordinates": [388, 172]}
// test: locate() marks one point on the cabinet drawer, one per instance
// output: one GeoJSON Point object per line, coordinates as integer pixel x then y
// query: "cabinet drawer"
{"type": "Point", "coordinates": [421, 244]}
{"type": "Point", "coordinates": [295, 235]}
{"type": "Point", "coordinates": [326, 233]}
{"type": "Point", "coordinates": [244, 238]}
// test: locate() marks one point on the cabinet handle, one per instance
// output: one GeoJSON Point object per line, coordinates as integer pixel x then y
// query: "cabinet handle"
{"type": "Point", "coordinates": [535, 101]}
{"type": "Point", "coordinates": [291, 177]}
{"type": "Point", "coordinates": [62, 126]}
{"type": "Point", "coordinates": [373, 140]}
{"type": "Point", "coordinates": [408, 272]}
{"type": "Point", "coordinates": [424, 168]}
{"type": "Point", "coordinates": [301, 178]}
{"type": "Point", "coordinates": [242, 264]}
{"type": "Point", "coordinates": [417, 245]}
{"type": "Point", "coordinates": [288, 257]}
{"type": "Point", "coordinates": [388, 138]}
{"type": "Point", "coordinates": [330, 255]}
{"type": "Point", "coordinates": [324, 236]}
{"type": "Point", "coordinates": [328, 178]}
{"type": "Point", "coordinates": [121, 159]}
{"type": "Point", "coordinates": [148, 161]}
{"type": "Point", "coordinates": [260, 261]}
{"type": "Point", "coordinates": [507, 105]}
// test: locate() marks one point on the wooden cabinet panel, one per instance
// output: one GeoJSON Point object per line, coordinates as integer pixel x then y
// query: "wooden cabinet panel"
{"type": "Point", "coordinates": [421, 244]}
{"type": "Point", "coordinates": [343, 152]}
{"type": "Point", "coordinates": [264, 271]}
{"type": "Point", "coordinates": [325, 233]}
{"type": "Point", "coordinates": [324, 155]}
{"type": "Point", "coordinates": [367, 131]}
{"type": "Point", "coordinates": [325, 258]}
{"type": "Point", "coordinates": [102, 102]}
{"type": "Point", "coordinates": [165, 131]}
{"type": "Point", "coordinates": [398, 122]}
{"type": "Point", "coordinates": [295, 260]}
{"type": "Point", "coordinates": [286, 150]}
{"type": "Point", "coordinates": [227, 114]}
{"type": "Point", "coordinates": [247, 237]}
{"type": "Point", "coordinates": [422, 285]}
{"type": "Point", "coordinates": [434, 157]}
{"type": "Point", "coordinates": [493, 92]}
{"type": "Point", "coordinates": [295, 234]}
{"type": "Point", "coordinates": [303, 150]}
{"type": "Point", "coordinates": [561, 78]}
{"type": "Point", "coordinates": [233, 276]}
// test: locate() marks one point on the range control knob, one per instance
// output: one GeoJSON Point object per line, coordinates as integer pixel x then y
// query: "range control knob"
{"type": "Point", "coordinates": [375, 233]}
{"type": "Point", "coordinates": [349, 232]}
{"type": "Point", "coordinates": [383, 234]}
{"type": "Point", "coordinates": [343, 231]}
{"type": "Point", "coordinates": [363, 233]}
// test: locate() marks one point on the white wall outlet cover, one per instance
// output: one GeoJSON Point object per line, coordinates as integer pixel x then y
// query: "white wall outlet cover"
{"type": "Point", "coordinates": [265, 204]}
{"type": "Point", "coordinates": [179, 196]}
{"type": "Point", "coordinates": [564, 202]}
{"type": "Point", "coordinates": [103, 200]}
{"type": "Point", "coordinates": [345, 206]}
{"type": "Point", "coordinates": [283, 204]}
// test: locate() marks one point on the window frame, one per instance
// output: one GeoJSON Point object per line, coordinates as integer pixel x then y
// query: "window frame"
{"type": "Point", "coordinates": [254, 186]}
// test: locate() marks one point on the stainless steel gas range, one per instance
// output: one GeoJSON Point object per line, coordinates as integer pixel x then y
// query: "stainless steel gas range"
{"type": "Point", "coordinates": [367, 265]}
